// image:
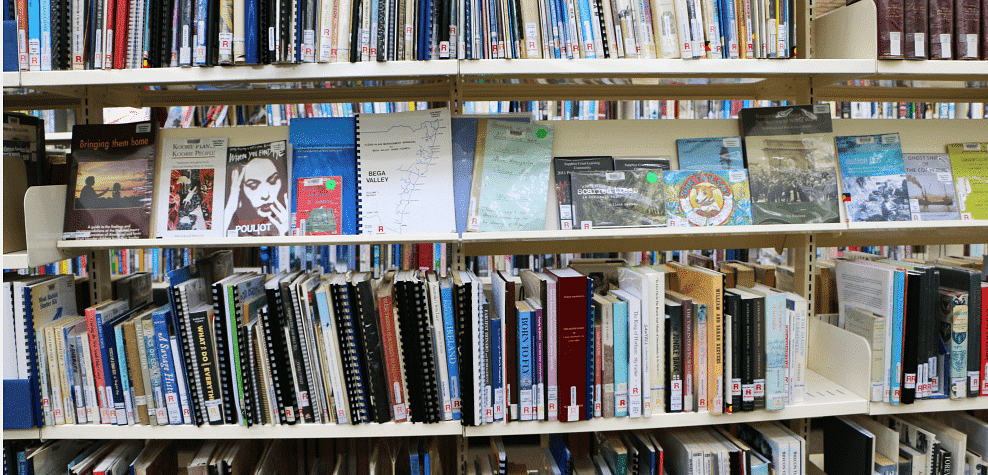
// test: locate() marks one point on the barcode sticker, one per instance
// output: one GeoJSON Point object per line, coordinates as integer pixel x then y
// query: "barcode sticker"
{"type": "Point", "coordinates": [944, 177]}
{"type": "Point", "coordinates": [821, 109]}
{"type": "Point", "coordinates": [972, 45]}
{"type": "Point", "coordinates": [865, 139]}
{"type": "Point", "coordinates": [565, 211]}
{"type": "Point", "coordinates": [919, 41]}
{"type": "Point", "coordinates": [890, 139]}
{"type": "Point", "coordinates": [732, 141]}
{"type": "Point", "coordinates": [737, 176]}
{"type": "Point", "coordinates": [945, 45]}
{"type": "Point", "coordinates": [611, 176]}
{"type": "Point", "coordinates": [972, 146]}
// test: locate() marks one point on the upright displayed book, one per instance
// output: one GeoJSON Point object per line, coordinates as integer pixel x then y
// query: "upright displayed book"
{"type": "Point", "coordinates": [710, 153]}
{"type": "Point", "coordinates": [510, 177]}
{"type": "Point", "coordinates": [874, 178]}
{"type": "Point", "coordinates": [324, 176]}
{"type": "Point", "coordinates": [563, 167]}
{"type": "Point", "coordinates": [111, 180]}
{"type": "Point", "coordinates": [930, 184]}
{"type": "Point", "coordinates": [257, 190]}
{"type": "Point", "coordinates": [616, 199]}
{"type": "Point", "coordinates": [405, 173]}
{"type": "Point", "coordinates": [707, 198]}
{"type": "Point", "coordinates": [191, 187]}
{"type": "Point", "coordinates": [791, 164]}
{"type": "Point", "coordinates": [970, 164]}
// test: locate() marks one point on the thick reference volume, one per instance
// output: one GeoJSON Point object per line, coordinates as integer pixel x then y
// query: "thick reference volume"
{"type": "Point", "coordinates": [791, 163]}
{"type": "Point", "coordinates": [111, 177]}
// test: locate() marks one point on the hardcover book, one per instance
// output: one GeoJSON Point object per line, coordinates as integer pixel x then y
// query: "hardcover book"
{"type": "Point", "coordinates": [257, 190]}
{"type": "Point", "coordinates": [707, 198]}
{"type": "Point", "coordinates": [930, 183]}
{"type": "Point", "coordinates": [969, 162]}
{"type": "Point", "coordinates": [874, 178]}
{"type": "Point", "coordinates": [710, 153]}
{"type": "Point", "coordinates": [791, 164]}
{"type": "Point", "coordinates": [618, 199]}
{"type": "Point", "coordinates": [190, 191]}
{"type": "Point", "coordinates": [889, 29]}
{"type": "Point", "coordinates": [111, 177]}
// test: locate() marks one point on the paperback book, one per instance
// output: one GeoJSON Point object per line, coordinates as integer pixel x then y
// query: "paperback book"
{"type": "Point", "coordinates": [710, 153]}
{"type": "Point", "coordinates": [324, 176]}
{"type": "Point", "coordinates": [930, 183]}
{"type": "Point", "coordinates": [618, 199]}
{"type": "Point", "coordinates": [257, 190]}
{"type": "Point", "coordinates": [707, 198]}
{"type": "Point", "coordinates": [970, 164]}
{"type": "Point", "coordinates": [111, 180]}
{"type": "Point", "coordinates": [563, 167]}
{"type": "Point", "coordinates": [791, 164]}
{"type": "Point", "coordinates": [874, 178]}
{"type": "Point", "coordinates": [188, 203]}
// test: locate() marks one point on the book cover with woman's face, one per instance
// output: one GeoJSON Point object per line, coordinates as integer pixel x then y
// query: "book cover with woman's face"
{"type": "Point", "coordinates": [257, 190]}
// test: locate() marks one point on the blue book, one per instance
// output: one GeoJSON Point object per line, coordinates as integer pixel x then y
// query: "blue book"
{"type": "Point", "coordinates": [102, 315]}
{"type": "Point", "coordinates": [34, 34]}
{"type": "Point", "coordinates": [115, 377]}
{"type": "Point", "coordinates": [775, 348]}
{"type": "Point", "coordinates": [449, 330]}
{"type": "Point", "coordinates": [201, 28]}
{"type": "Point", "coordinates": [46, 38]}
{"type": "Point", "coordinates": [413, 457]}
{"type": "Point", "coordinates": [166, 365]}
{"type": "Point", "coordinates": [526, 344]}
{"type": "Point", "coordinates": [898, 313]}
{"type": "Point", "coordinates": [874, 178]}
{"type": "Point", "coordinates": [588, 39]}
{"type": "Point", "coordinates": [123, 373]}
{"type": "Point", "coordinates": [324, 175]}
{"type": "Point", "coordinates": [497, 367]}
{"type": "Point", "coordinates": [561, 454]}
{"type": "Point", "coordinates": [710, 153]}
{"type": "Point", "coordinates": [620, 356]}
{"type": "Point", "coordinates": [156, 390]}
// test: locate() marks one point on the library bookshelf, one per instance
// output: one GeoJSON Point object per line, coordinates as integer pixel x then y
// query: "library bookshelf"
{"type": "Point", "coordinates": [840, 49]}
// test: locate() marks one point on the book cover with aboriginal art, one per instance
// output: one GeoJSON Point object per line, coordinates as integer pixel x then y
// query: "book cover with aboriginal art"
{"type": "Point", "coordinates": [707, 198]}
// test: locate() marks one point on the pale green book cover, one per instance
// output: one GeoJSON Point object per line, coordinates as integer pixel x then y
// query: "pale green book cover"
{"type": "Point", "coordinates": [970, 164]}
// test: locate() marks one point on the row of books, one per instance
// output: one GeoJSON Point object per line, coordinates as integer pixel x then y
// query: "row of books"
{"type": "Point", "coordinates": [925, 324]}
{"type": "Point", "coordinates": [68, 34]}
{"type": "Point", "coordinates": [349, 348]}
{"type": "Point", "coordinates": [934, 29]}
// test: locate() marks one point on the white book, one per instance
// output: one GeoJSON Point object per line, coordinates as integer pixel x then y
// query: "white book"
{"type": "Point", "coordinates": [870, 288]}
{"type": "Point", "coordinates": [9, 330]}
{"type": "Point", "coordinates": [798, 309]}
{"type": "Point", "coordinates": [635, 340]}
{"type": "Point", "coordinates": [643, 287]}
{"type": "Point", "coordinates": [190, 187]}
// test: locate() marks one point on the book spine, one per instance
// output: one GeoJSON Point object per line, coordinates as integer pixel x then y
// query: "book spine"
{"type": "Point", "coordinates": [220, 408]}
{"type": "Point", "coordinates": [277, 354]}
{"type": "Point", "coordinates": [355, 386]}
{"type": "Point", "coordinates": [700, 351]}
{"type": "Point", "coordinates": [622, 339]}
{"type": "Point", "coordinates": [206, 354]}
{"type": "Point", "coordinates": [239, 349]}
{"type": "Point", "coordinates": [915, 27]}
{"type": "Point", "coordinates": [525, 366]}
{"type": "Point", "coordinates": [635, 345]}
{"type": "Point", "coordinates": [46, 35]}
{"type": "Point", "coordinates": [941, 28]}
{"type": "Point", "coordinates": [125, 382]}
{"type": "Point", "coordinates": [552, 353]}
{"type": "Point", "coordinates": [439, 343]}
{"type": "Point", "coordinates": [452, 359]}
{"type": "Point", "coordinates": [689, 356]}
{"type": "Point", "coordinates": [303, 376]}
{"type": "Point", "coordinates": [45, 389]}
{"type": "Point", "coordinates": [146, 390]}
{"type": "Point", "coordinates": [94, 324]}
{"type": "Point", "coordinates": [75, 379]}
{"type": "Point", "coordinates": [967, 14]}
{"type": "Point", "coordinates": [169, 381]}
{"type": "Point", "coordinates": [487, 366]}
{"type": "Point", "coordinates": [497, 367]}
{"type": "Point", "coordinates": [121, 34]}
{"type": "Point", "coordinates": [33, 32]}
{"type": "Point", "coordinates": [675, 370]}
{"type": "Point", "coordinates": [897, 322]}
{"type": "Point", "coordinates": [958, 348]}
{"type": "Point", "coordinates": [391, 355]}
{"type": "Point", "coordinates": [608, 359]}
{"type": "Point", "coordinates": [539, 384]}
{"type": "Point", "coordinates": [775, 341]}
{"type": "Point", "coordinates": [800, 335]}
{"type": "Point", "coordinates": [184, 329]}
{"type": "Point", "coordinates": [183, 385]}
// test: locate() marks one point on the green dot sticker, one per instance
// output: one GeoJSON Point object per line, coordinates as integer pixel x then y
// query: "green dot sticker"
{"type": "Point", "coordinates": [652, 177]}
{"type": "Point", "coordinates": [330, 184]}
{"type": "Point", "coordinates": [541, 133]}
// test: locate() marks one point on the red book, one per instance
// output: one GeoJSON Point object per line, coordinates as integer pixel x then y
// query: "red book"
{"type": "Point", "coordinates": [941, 14]}
{"type": "Point", "coordinates": [889, 29]}
{"type": "Point", "coordinates": [97, 370]}
{"type": "Point", "coordinates": [571, 332]}
{"type": "Point", "coordinates": [110, 32]}
{"type": "Point", "coordinates": [984, 339]}
{"type": "Point", "coordinates": [914, 18]}
{"type": "Point", "coordinates": [510, 322]}
{"type": "Point", "coordinates": [389, 340]}
{"type": "Point", "coordinates": [120, 32]}
{"type": "Point", "coordinates": [425, 257]}
{"type": "Point", "coordinates": [967, 19]}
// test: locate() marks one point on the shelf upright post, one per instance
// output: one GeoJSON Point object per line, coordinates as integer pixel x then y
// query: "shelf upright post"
{"type": "Point", "coordinates": [802, 256]}
{"type": "Point", "coordinates": [98, 262]}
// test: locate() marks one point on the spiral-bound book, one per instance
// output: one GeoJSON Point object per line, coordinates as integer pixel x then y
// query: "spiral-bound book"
{"type": "Point", "coordinates": [405, 173]}
{"type": "Point", "coordinates": [277, 348]}
{"type": "Point", "coordinates": [352, 364]}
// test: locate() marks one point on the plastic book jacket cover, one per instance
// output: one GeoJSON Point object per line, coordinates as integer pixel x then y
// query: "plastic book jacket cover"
{"type": "Point", "coordinates": [110, 181]}
{"type": "Point", "coordinates": [617, 199]}
{"type": "Point", "coordinates": [257, 190]}
{"type": "Point", "coordinates": [563, 167]}
{"type": "Point", "coordinates": [930, 183]}
{"type": "Point", "coordinates": [791, 164]}
{"type": "Point", "coordinates": [324, 176]}
{"type": "Point", "coordinates": [970, 164]}
{"type": "Point", "coordinates": [188, 202]}
{"type": "Point", "coordinates": [707, 198]}
{"type": "Point", "coordinates": [710, 153]}
{"type": "Point", "coordinates": [874, 178]}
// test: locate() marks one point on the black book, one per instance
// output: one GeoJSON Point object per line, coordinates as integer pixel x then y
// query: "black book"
{"type": "Point", "coordinates": [223, 363]}
{"type": "Point", "coordinates": [251, 363]}
{"type": "Point", "coordinates": [352, 364]}
{"type": "Point", "coordinates": [462, 311]}
{"type": "Point", "coordinates": [292, 321]}
{"type": "Point", "coordinates": [757, 348]}
{"type": "Point", "coordinates": [212, 33]}
{"type": "Point", "coordinates": [915, 284]}
{"type": "Point", "coordinates": [206, 354]}
{"type": "Point", "coordinates": [732, 307]}
{"type": "Point", "coordinates": [382, 30]}
{"type": "Point", "coordinates": [418, 349]}
{"type": "Point", "coordinates": [847, 447]}
{"type": "Point", "coordinates": [281, 372]}
{"type": "Point", "coordinates": [969, 281]}
{"type": "Point", "coordinates": [355, 30]}
{"type": "Point", "coordinates": [180, 309]}
{"type": "Point", "coordinates": [674, 358]}
{"type": "Point", "coordinates": [367, 315]}
{"type": "Point", "coordinates": [749, 334]}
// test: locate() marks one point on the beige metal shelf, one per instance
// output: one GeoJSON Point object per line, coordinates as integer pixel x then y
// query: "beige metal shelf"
{"type": "Point", "coordinates": [908, 233]}
{"type": "Point", "coordinates": [297, 431]}
{"type": "Point", "coordinates": [929, 405]}
{"type": "Point", "coordinates": [21, 434]}
{"type": "Point", "coordinates": [42, 227]}
{"type": "Point", "coordinates": [94, 244]}
{"type": "Point", "coordinates": [11, 79]}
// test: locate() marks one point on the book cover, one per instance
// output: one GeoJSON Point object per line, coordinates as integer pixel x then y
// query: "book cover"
{"type": "Point", "coordinates": [616, 199]}
{"type": "Point", "coordinates": [791, 164]}
{"type": "Point", "coordinates": [874, 179]}
{"type": "Point", "coordinates": [510, 177]}
{"type": "Point", "coordinates": [563, 167]}
{"type": "Point", "coordinates": [952, 329]}
{"type": "Point", "coordinates": [257, 190]}
{"type": "Point", "coordinates": [930, 184]}
{"type": "Point", "coordinates": [190, 191]}
{"type": "Point", "coordinates": [969, 162]}
{"type": "Point", "coordinates": [707, 198]}
{"type": "Point", "coordinates": [571, 332]}
{"type": "Point", "coordinates": [405, 173]}
{"type": "Point", "coordinates": [710, 153]}
{"type": "Point", "coordinates": [324, 176]}
{"type": "Point", "coordinates": [112, 175]}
